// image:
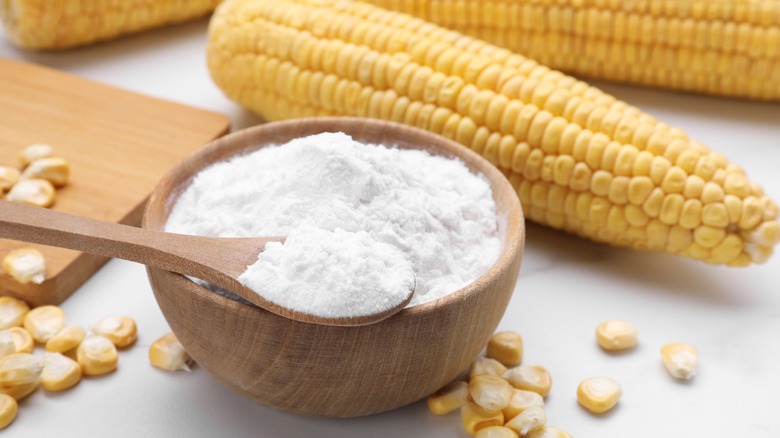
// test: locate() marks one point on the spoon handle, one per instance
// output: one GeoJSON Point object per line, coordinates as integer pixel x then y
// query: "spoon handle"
{"type": "Point", "coordinates": [173, 252]}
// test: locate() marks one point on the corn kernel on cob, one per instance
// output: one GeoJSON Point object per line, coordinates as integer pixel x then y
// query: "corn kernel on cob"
{"type": "Point", "coordinates": [720, 47]}
{"type": "Point", "coordinates": [581, 160]}
{"type": "Point", "coordinates": [62, 24]}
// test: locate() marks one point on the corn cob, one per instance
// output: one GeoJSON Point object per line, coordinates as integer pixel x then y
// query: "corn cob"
{"type": "Point", "coordinates": [62, 24]}
{"type": "Point", "coordinates": [580, 160]}
{"type": "Point", "coordinates": [720, 47]}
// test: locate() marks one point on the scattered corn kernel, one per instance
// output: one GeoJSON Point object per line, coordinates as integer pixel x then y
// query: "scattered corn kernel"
{"type": "Point", "coordinates": [25, 265]}
{"type": "Point", "coordinates": [616, 335]}
{"type": "Point", "coordinates": [22, 340]}
{"type": "Point", "coordinates": [8, 177]}
{"type": "Point", "coordinates": [8, 410]}
{"type": "Point", "coordinates": [682, 360]}
{"type": "Point", "coordinates": [486, 366]}
{"type": "Point", "coordinates": [530, 419]}
{"type": "Point", "coordinates": [56, 170]}
{"type": "Point", "coordinates": [35, 152]}
{"type": "Point", "coordinates": [167, 353]}
{"type": "Point", "coordinates": [490, 392]}
{"type": "Point", "coordinates": [121, 330]}
{"type": "Point", "coordinates": [59, 372]}
{"type": "Point", "coordinates": [548, 432]}
{"type": "Point", "coordinates": [97, 355]}
{"type": "Point", "coordinates": [12, 312]}
{"type": "Point", "coordinates": [66, 339]}
{"type": "Point", "coordinates": [496, 432]}
{"type": "Point", "coordinates": [530, 378]}
{"type": "Point", "coordinates": [20, 374]}
{"type": "Point", "coordinates": [520, 401]}
{"type": "Point", "coordinates": [599, 394]}
{"type": "Point", "coordinates": [449, 398]}
{"type": "Point", "coordinates": [37, 192]}
{"type": "Point", "coordinates": [44, 322]}
{"type": "Point", "coordinates": [7, 345]}
{"type": "Point", "coordinates": [506, 347]}
{"type": "Point", "coordinates": [474, 418]}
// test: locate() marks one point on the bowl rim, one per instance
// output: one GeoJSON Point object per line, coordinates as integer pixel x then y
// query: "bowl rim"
{"type": "Point", "coordinates": [512, 236]}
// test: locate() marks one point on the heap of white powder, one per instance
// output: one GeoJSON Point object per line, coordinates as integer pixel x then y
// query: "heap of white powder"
{"type": "Point", "coordinates": [362, 221]}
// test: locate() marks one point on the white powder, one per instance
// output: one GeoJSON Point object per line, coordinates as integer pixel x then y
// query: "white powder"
{"type": "Point", "coordinates": [432, 210]}
{"type": "Point", "coordinates": [331, 273]}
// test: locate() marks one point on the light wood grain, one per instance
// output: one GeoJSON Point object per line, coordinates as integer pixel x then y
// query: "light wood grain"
{"type": "Point", "coordinates": [118, 143]}
{"type": "Point", "coordinates": [337, 371]}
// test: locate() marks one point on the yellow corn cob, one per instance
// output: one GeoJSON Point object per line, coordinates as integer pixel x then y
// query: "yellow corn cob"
{"type": "Point", "coordinates": [61, 24]}
{"type": "Point", "coordinates": [721, 47]}
{"type": "Point", "coordinates": [581, 160]}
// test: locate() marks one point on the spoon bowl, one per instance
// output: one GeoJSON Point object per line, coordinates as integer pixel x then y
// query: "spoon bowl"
{"type": "Point", "coordinates": [335, 371]}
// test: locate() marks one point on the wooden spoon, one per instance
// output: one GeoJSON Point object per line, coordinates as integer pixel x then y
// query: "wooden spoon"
{"type": "Point", "coordinates": [219, 261]}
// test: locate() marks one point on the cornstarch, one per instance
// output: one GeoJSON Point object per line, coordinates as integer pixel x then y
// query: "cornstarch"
{"type": "Point", "coordinates": [362, 221]}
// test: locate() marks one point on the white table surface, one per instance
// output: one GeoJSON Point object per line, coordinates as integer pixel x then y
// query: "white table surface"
{"type": "Point", "coordinates": [566, 287]}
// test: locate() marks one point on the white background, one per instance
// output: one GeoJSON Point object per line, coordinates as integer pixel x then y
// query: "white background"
{"type": "Point", "coordinates": [566, 287]}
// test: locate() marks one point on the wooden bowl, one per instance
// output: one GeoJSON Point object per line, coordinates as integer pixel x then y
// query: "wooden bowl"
{"type": "Point", "coordinates": [337, 371]}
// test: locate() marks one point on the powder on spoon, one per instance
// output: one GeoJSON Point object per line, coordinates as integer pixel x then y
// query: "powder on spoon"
{"type": "Point", "coordinates": [430, 209]}
{"type": "Point", "coordinates": [331, 273]}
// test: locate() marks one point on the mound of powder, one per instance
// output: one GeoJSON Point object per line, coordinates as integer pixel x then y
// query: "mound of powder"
{"type": "Point", "coordinates": [331, 273]}
{"type": "Point", "coordinates": [431, 209]}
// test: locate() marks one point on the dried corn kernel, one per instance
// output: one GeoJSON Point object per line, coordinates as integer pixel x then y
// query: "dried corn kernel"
{"type": "Point", "coordinates": [7, 345]}
{"type": "Point", "coordinates": [59, 372]}
{"type": "Point", "coordinates": [530, 419]}
{"type": "Point", "coordinates": [121, 330]}
{"type": "Point", "coordinates": [520, 401]}
{"type": "Point", "coordinates": [97, 355]}
{"type": "Point", "coordinates": [682, 360]}
{"type": "Point", "coordinates": [66, 339]}
{"type": "Point", "coordinates": [486, 366]}
{"type": "Point", "coordinates": [20, 374]}
{"type": "Point", "coordinates": [475, 418]}
{"type": "Point", "coordinates": [8, 177]}
{"type": "Point", "coordinates": [12, 312]}
{"type": "Point", "coordinates": [35, 152]}
{"type": "Point", "coordinates": [449, 398]}
{"type": "Point", "coordinates": [496, 432]}
{"type": "Point", "coordinates": [22, 340]}
{"type": "Point", "coordinates": [8, 410]}
{"type": "Point", "coordinates": [44, 322]}
{"type": "Point", "coordinates": [167, 353]}
{"type": "Point", "coordinates": [56, 170]}
{"type": "Point", "coordinates": [548, 432]}
{"type": "Point", "coordinates": [530, 378]}
{"type": "Point", "coordinates": [37, 192]}
{"type": "Point", "coordinates": [490, 392]}
{"type": "Point", "coordinates": [599, 394]}
{"type": "Point", "coordinates": [25, 265]}
{"type": "Point", "coordinates": [506, 347]}
{"type": "Point", "coordinates": [616, 335]}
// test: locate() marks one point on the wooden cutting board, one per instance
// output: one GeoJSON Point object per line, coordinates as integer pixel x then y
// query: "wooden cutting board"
{"type": "Point", "coordinates": [118, 143]}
